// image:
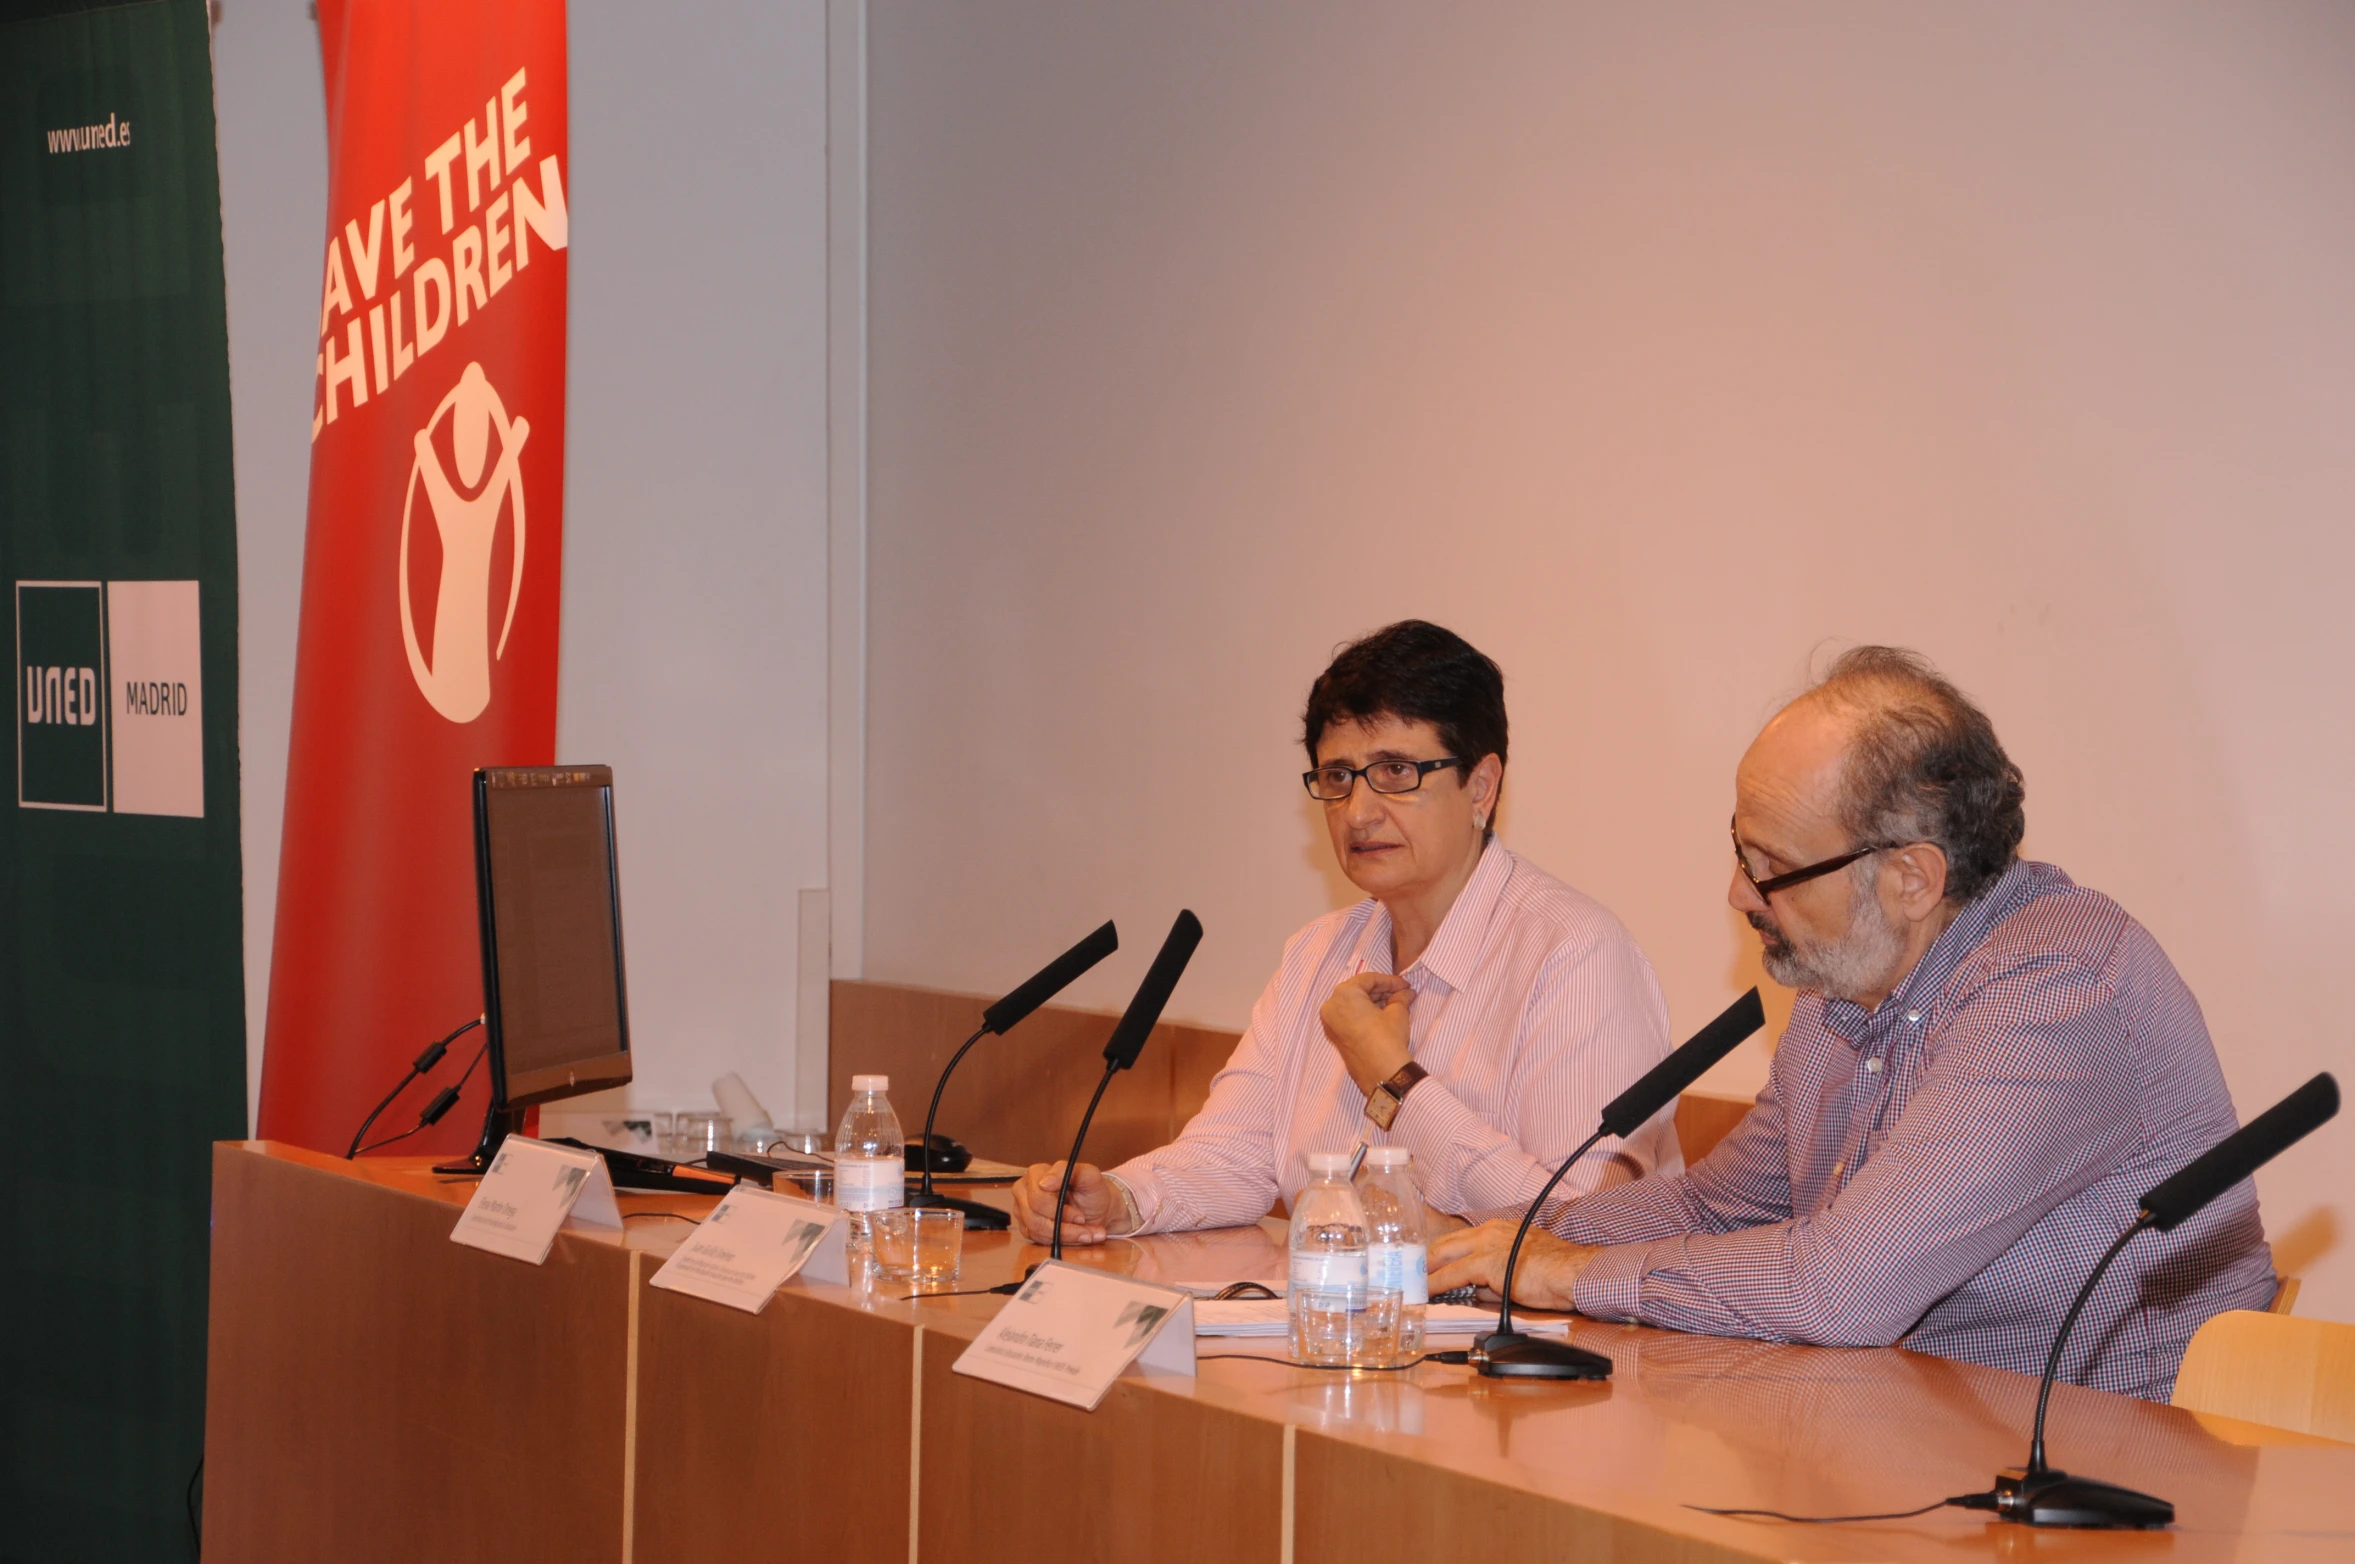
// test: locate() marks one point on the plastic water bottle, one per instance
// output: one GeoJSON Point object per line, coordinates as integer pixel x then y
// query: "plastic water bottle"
{"type": "Point", "coordinates": [1397, 1260]}
{"type": "Point", "coordinates": [870, 1154]}
{"type": "Point", "coordinates": [1326, 1288]}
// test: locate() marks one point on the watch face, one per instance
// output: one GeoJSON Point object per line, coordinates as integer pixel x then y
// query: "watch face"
{"type": "Point", "coordinates": [1381, 1107]}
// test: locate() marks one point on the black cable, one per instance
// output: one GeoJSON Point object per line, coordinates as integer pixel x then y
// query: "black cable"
{"type": "Point", "coordinates": [1967, 1501]}
{"type": "Point", "coordinates": [195, 1500]}
{"type": "Point", "coordinates": [676, 1216]}
{"type": "Point", "coordinates": [433, 1110]}
{"type": "Point", "coordinates": [423, 1062]}
{"type": "Point", "coordinates": [978, 1292]}
{"type": "Point", "coordinates": [1335, 1368]}
{"type": "Point", "coordinates": [379, 1145]}
{"type": "Point", "coordinates": [468, 1073]}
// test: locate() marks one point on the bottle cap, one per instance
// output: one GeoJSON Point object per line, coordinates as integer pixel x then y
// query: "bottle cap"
{"type": "Point", "coordinates": [1328, 1163]}
{"type": "Point", "coordinates": [870, 1083]}
{"type": "Point", "coordinates": [1389, 1159]}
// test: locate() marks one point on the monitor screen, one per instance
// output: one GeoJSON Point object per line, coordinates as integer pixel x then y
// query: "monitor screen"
{"type": "Point", "coordinates": [554, 996]}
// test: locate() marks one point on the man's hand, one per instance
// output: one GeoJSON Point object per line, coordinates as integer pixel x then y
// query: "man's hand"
{"type": "Point", "coordinates": [1549, 1265]}
{"type": "Point", "coordinates": [1367, 1021]}
{"type": "Point", "coordinates": [1087, 1216]}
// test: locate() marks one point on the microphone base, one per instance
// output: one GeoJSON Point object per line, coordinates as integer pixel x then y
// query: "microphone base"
{"type": "Point", "coordinates": [2050, 1498]}
{"type": "Point", "coordinates": [1512, 1355]}
{"type": "Point", "coordinates": [979, 1218]}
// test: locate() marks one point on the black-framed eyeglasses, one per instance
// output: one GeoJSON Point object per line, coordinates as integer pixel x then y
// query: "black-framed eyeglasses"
{"type": "Point", "coordinates": [1331, 784]}
{"type": "Point", "coordinates": [1783, 882]}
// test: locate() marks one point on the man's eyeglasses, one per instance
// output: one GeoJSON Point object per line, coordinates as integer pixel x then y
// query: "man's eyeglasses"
{"type": "Point", "coordinates": [1331, 784]}
{"type": "Point", "coordinates": [1783, 882]}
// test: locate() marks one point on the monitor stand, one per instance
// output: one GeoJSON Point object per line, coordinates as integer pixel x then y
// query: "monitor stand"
{"type": "Point", "coordinates": [497, 1125]}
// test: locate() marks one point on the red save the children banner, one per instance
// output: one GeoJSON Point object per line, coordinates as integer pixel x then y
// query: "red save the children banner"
{"type": "Point", "coordinates": [430, 575]}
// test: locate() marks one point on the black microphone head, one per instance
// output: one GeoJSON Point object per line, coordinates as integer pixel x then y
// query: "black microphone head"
{"type": "Point", "coordinates": [2242, 1153]}
{"type": "Point", "coordinates": [1050, 980]}
{"type": "Point", "coordinates": [1161, 979]}
{"type": "Point", "coordinates": [1631, 1108]}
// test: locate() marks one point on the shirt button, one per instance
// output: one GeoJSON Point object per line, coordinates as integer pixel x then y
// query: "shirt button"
{"type": "Point", "coordinates": [1872, 1067]}
{"type": "Point", "coordinates": [1838, 1168]}
{"type": "Point", "coordinates": [1913, 1018]}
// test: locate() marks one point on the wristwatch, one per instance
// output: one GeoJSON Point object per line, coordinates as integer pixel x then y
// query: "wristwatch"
{"type": "Point", "coordinates": [1384, 1101]}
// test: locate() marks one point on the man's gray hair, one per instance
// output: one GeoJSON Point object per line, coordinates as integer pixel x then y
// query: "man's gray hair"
{"type": "Point", "coordinates": [1924, 765]}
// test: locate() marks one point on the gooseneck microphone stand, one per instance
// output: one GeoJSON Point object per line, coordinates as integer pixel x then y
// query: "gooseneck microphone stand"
{"type": "Point", "coordinates": [1127, 1042]}
{"type": "Point", "coordinates": [2043, 1496]}
{"type": "Point", "coordinates": [1506, 1353]}
{"type": "Point", "coordinates": [1063, 1191]}
{"type": "Point", "coordinates": [1000, 1018]}
{"type": "Point", "coordinates": [2040, 1495]}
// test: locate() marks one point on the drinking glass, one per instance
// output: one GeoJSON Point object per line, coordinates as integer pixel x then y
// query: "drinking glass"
{"type": "Point", "coordinates": [700, 1133]}
{"type": "Point", "coordinates": [918, 1243]}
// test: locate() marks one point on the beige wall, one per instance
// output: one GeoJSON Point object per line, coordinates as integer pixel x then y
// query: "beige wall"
{"type": "Point", "coordinates": [1659, 350]}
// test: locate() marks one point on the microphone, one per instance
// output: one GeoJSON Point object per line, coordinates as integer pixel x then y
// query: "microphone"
{"type": "Point", "coordinates": [1507, 1353]}
{"type": "Point", "coordinates": [2041, 1496]}
{"type": "Point", "coordinates": [2242, 1153]}
{"type": "Point", "coordinates": [1050, 980]}
{"type": "Point", "coordinates": [1127, 1041]}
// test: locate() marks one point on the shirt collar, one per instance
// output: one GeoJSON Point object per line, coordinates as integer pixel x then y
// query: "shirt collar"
{"type": "Point", "coordinates": [1966, 933]}
{"type": "Point", "coordinates": [1454, 952]}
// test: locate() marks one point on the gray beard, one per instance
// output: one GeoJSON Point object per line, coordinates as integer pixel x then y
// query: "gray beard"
{"type": "Point", "coordinates": [1860, 962]}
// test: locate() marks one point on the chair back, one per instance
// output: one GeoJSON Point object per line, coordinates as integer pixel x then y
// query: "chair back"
{"type": "Point", "coordinates": [2275, 1369]}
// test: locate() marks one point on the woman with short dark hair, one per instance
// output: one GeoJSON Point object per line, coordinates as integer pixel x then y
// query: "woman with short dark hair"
{"type": "Point", "coordinates": [1472, 1008]}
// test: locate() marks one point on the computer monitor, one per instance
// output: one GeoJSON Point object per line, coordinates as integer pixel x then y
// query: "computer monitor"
{"type": "Point", "coordinates": [555, 1003]}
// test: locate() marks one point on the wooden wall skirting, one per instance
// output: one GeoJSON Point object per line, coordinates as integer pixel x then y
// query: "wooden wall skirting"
{"type": "Point", "coordinates": [1018, 1098]}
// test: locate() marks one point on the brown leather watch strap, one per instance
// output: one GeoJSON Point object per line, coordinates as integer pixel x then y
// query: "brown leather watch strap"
{"type": "Point", "coordinates": [1384, 1101]}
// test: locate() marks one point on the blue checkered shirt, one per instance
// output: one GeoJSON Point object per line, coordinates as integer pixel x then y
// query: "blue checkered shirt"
{"type": "Point", "coordinates": [1942, 1172]}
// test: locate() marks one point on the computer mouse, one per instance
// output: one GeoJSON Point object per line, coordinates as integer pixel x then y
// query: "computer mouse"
{"type": "Point", "coordinates": [946, 1155]}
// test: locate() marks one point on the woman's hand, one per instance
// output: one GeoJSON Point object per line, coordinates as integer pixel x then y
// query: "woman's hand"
{"type": "Point", "coordinates": [1367, 1022]}
{"type": "Point", "coordinates": [1476, 1255]}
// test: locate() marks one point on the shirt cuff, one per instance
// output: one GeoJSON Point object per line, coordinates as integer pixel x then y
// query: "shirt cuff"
{"type": "Point", "coordinates": [1131, 1207]}
{"type": "Point", "coordinates": [1435, 1125]}
{"type": "Point", "coordinates": [1612, 1284]}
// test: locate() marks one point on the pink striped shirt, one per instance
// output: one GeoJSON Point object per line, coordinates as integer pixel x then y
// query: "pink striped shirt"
{"type": "Point", "coordinates": [1532, 1008]}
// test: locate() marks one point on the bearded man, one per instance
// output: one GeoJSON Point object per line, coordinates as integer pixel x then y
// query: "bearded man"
{"type": "Point", "coordinates": [1986, 1067]}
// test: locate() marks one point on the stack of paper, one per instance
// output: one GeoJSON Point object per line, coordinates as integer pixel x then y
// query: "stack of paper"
{"type": "Point", "coordinates": [1267, 1317]}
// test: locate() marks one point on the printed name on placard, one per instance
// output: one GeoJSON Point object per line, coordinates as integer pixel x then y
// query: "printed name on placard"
{"type": "Point", "coordinates": [1070, 1331]}
{"type": "Point", "coordinates": [751, 1244]}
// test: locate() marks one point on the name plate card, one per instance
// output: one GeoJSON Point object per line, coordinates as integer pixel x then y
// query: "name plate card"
{"type": "Point", "coordinates": [751, 1243]}
{"type": "Point", "coordinates": [529, 1192]}
{"type": "Point", "coordinates": [1070, 1331]}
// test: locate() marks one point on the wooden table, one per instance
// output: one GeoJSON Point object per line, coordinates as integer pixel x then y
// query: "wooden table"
{"type": "Point", "coordinates": [379, 1392]}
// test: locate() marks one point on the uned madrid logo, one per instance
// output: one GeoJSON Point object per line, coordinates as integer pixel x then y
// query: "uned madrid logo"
{"type": "Point", "coordinates": [466, 494]}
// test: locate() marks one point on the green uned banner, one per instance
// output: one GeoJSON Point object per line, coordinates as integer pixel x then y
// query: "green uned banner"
{"type": "Point", "coordinates": [122, 1001]}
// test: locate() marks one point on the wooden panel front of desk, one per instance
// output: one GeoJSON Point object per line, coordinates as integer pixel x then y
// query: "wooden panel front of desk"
{"type": "Point", "coordinates": [377, 1392]}
{"type": "Point", "coordinates": [790, 1426]}
{"type": "Point", "coordinates": [1151, 1475]}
